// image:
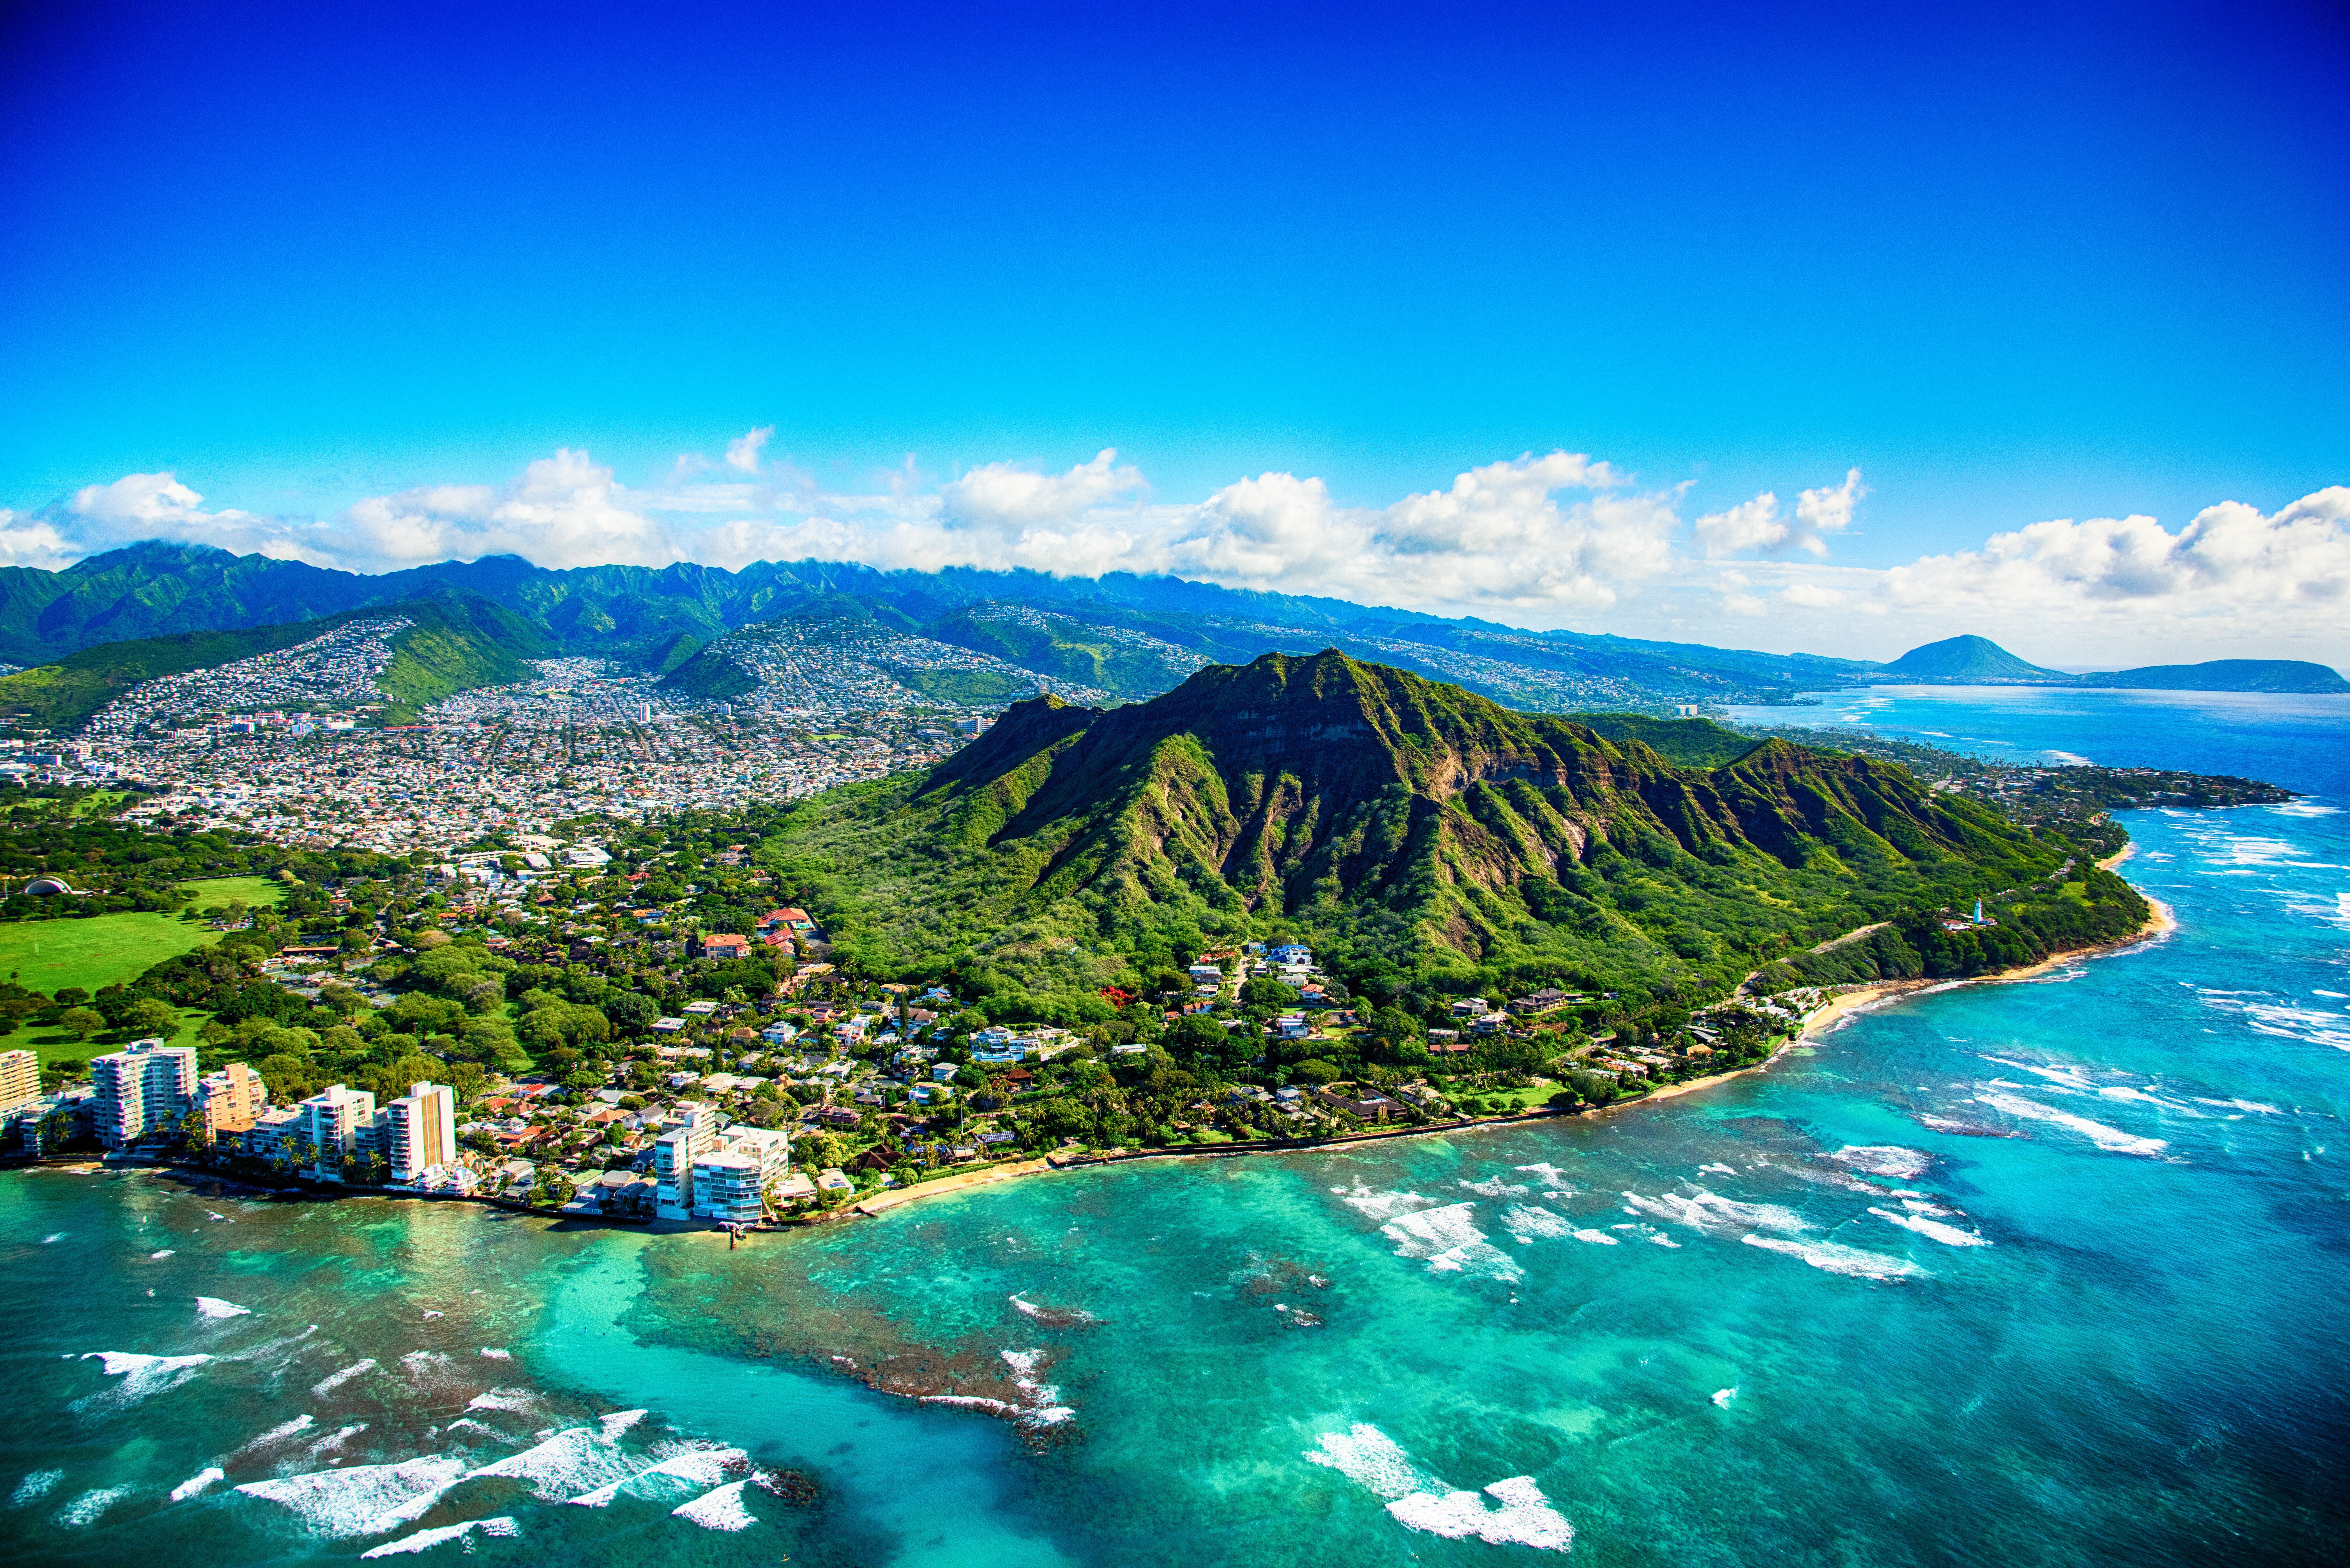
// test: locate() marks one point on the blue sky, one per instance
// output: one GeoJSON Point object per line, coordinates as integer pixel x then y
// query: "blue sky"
{"type": "Point", "coordinates": [2012, 265]}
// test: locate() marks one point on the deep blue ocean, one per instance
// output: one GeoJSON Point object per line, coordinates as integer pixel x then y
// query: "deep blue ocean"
{"type": "Point", "coordinates": [2051, 1271]}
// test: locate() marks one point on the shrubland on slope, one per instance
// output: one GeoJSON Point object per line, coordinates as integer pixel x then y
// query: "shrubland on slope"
{"type": "Point", "coordinates": [1415, 833]}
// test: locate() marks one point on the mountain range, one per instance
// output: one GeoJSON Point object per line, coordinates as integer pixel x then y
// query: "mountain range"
{"type": "Point", "coordinates": [1117, 637]}
{"type": "Point", "coordinates": [1403, 827]}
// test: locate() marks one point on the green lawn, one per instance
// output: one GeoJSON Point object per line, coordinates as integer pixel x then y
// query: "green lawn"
{"type": "Point", "coordinates": [57, 1045]}
{"type": "Point", "coordinates": [221, 889]}
{"type": "Point", "coordinates": [43, 955]}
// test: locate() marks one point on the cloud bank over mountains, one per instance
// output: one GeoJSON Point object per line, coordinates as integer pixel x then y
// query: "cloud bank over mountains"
{"type": "Point", "coordinates": [1539, 540]}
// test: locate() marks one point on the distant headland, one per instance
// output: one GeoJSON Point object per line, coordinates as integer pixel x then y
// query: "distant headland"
{"type": "Point", "coordinates": [1979, 661]}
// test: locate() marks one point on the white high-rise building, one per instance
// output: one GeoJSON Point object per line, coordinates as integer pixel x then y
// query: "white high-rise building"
{"type": "Point", "coordinates": [142, 1091]}
{"type": "Point", "coordinates": [675, 1154]}
{"type": "Point", "coordinates": [332, 1119]}
{"type": "Point", "coordinates": [421, 1131]}
{"type": "Point", "coordinates": [727, 1185]}
{"type": "Point", "coordinates": [728, 1181]}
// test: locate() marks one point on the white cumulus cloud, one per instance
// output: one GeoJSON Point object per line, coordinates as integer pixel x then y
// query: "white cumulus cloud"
{"type": "Point", "coordinates": [1759, 526]}
{"type": "Point", "coordinates": [1546, 539]}
{"type": "Point", "coordinates": [561, 511]}
{"type": "Point", "coordinates": [743, 451]}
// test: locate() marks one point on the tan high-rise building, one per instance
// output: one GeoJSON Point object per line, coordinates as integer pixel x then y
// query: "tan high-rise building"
{"type": "Point", "coordinates": [420, 1130]}
{"type": "Point", "coordinates": [20, 1079]}
{"type": "Point", "coordinates": [231, 1099]}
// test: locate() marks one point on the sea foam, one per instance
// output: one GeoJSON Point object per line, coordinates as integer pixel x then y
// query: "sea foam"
{"type": "Point", "coordinates": [425, 1539]}
{"type": "Point", "coordinates": [1370, 1458]}
{"type": "Point", "coordinates": [142, 1377]}
{"type": "Point", "coordinates": [1885, 1160]}
{"type": "Point", "coordinates": [85, 1509]}
{"type": "Point", "coordinates": [690, 1471]}
{"type": "Point", "coordinates": [213, 1306]}
{"type": "Point", "coordinates": [720, 1509]}
{"type": "Point", "coordinates": [1947, 1235]}
{"type": "Point", "coordinates": [2112, 1139]}
{"type": "Point", "coordinates": [1450, 1244]}
{"type": "Point", "coordinates": [1840, 1260]}
{"type": "Point", "coordinates": [1527, 1223]}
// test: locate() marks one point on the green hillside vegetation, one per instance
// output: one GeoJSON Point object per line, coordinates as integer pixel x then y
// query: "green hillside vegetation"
{"type": "Point", "coordinates": [456, 642]}
{"type": "Point", "coordinates": [1416, 834]}
{"type": "Point", "coordinates": [710, 672]}
{"type": "Point", "coordinates": [965, 687]}
{"type": "Point", "coordinates": [674, 652]}
{"type": "Point", "coordinates": [1057, 646]}
{"type": "Point", "coordinates": [1689, 743]}
{"type": "Point", "coordinates": [58, 697]}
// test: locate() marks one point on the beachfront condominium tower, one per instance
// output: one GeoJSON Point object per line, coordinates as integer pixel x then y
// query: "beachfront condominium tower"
{"type": "Point", "coordinates": [142, 1092]}
{"type": "Point", "coordinates": [675, 1154]}
{"type": "Point", "coordinates": [231, 1099]}
{"type": "Point", "coordinates": [20, 1079]}
{"type": "Point", "coordinates": [420, 1130]}
{"type": "Point", "coordinates": [332, 1120]}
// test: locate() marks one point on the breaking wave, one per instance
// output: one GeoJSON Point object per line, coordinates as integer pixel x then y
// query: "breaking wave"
{"type": "Point", "coordinates": [720, 1509]}
{"type": "Point", "coordinates": [1449, 1243]}
{"type": "Point", "coordinates": [213, 1306]}
{"type": "Point", "coordinates": [1712, 1213]}
{"type": "Point", "coordinates": [1417, 1500]}
{"type": "Point", "coordinates": [197, 1482]}
{"type": "Point", "coordinates": [1841, 1260]}
{"type": "Point", "coordinates": [362, 1499]}
{"type": "Point", "coordinates": [1947, 1235]}
{"type": "Point", "coordinates": [142, 1377]}
{"type": "Point", "coordinates": [425, 1538]}
{"type": "Point", "coordinates": [1377, 1205]}
{"type": "Point", "coordinates": [334, 1380]}
{"type": "Point", "coordinates": [2112, 1139]}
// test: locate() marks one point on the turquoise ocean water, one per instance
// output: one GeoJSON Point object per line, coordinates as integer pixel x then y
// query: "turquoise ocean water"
{"type": "Point", "coordinates": [2040, 1273]}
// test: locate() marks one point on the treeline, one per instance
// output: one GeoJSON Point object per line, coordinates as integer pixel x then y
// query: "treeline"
{"type": "Point", "coordinates": [2098, 908]}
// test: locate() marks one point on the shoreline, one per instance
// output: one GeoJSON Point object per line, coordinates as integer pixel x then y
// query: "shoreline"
{"type": "Point", "coordinates": [1840, 1008]}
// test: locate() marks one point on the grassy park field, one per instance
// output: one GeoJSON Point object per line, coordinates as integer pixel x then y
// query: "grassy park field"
{"type": "Point", "coordinates": [48, 955]}
{"type": "Point", "coordinates": [101, 949]}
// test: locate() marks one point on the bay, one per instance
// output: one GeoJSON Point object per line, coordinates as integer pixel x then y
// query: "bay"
{"type": "Point", "coordinates": [2042, 1272]}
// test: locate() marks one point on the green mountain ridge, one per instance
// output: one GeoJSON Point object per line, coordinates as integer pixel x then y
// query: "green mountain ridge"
{"type": "Point", "coordinates": [456, 641]}
{"type": "Point", "coordinates": [1407, 829]}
